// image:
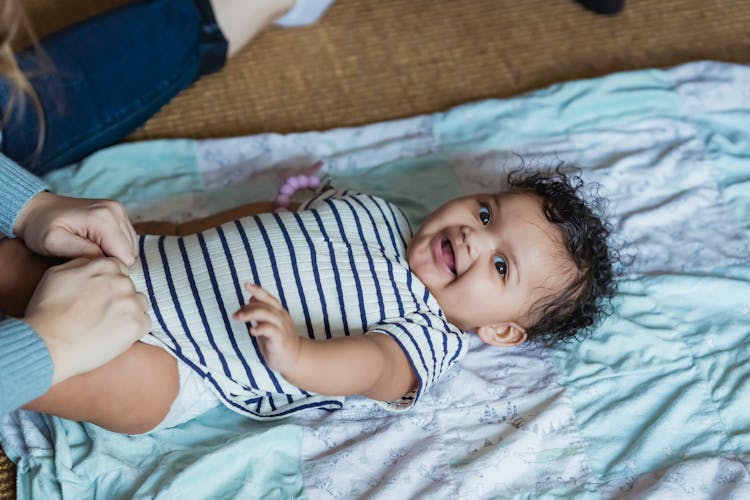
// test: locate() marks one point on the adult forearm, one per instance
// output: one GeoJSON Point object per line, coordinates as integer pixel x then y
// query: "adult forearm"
{"type": "Point", "coordinates": [16, 189]}
{"type": "Point", "coordinates": [25, 365]}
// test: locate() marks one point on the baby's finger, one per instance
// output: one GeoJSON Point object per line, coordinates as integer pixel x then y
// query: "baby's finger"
{"type": "Point", "coordinates": [262, 314]}
{"type": "Point", "coordinates": [262, 295]}
{"type": "Point", "coordinates": [252, 305]}
{"type": "Point", "coordinates": [265, 330]}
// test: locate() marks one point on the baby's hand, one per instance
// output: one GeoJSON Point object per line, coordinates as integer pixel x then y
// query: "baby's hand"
{"type": "Point", "coordinates": [274, 328]}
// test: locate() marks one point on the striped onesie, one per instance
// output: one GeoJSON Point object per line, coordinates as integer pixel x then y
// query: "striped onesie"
{"type": "Point", "coordinates": [338, 266]}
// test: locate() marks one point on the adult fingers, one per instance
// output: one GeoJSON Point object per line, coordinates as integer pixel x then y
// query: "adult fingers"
{"type": "Point", "coordinates": [126, 226]}
{"type": "Point", "coordinates": [143, 301]}
{"type": "Point", "coordinates": [108, 265]}
{"type": "Point", "coordinates": [105, 223]}
{"type": "Point", "coordinates": [117, 241]}
{"type": "Point", "coordinates": [71, 264]}
{"type": "Point", "coordinates": [133, 235]}
{"type": "Point", "coordinates": [72, 245]}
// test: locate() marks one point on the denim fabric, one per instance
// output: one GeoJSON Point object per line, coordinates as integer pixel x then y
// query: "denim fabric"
{"type": "Point", "coordinates": [110, 74]}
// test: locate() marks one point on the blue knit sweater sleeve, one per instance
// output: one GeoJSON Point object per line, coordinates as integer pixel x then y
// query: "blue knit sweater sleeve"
{"type": "Point", "coordinates": [25, 363]}
{"type": "Point", "coordinates": [17, 187]}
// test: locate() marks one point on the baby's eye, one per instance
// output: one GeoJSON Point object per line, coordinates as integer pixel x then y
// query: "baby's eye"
{"type": "Point", "coordinates": [501, 266]}
{"type": "Point", "coordinates": [484, 214]}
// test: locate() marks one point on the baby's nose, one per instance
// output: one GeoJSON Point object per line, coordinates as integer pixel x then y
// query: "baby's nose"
{"type": "Point", "coordinates": [476, 241]}
{"type": "Point", "coordinates": [467, 239]}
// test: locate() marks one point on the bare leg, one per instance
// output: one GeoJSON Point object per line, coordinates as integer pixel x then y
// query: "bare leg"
{"type": "Point", "coordinates": [130, 394]}
{"type": "Point", "coordinates": [241, 20]}
{"type": "Point", "coordinates": [20, 272]}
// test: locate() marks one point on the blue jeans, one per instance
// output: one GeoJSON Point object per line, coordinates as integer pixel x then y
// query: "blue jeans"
{"type": "Point", "coordinates": [109, 75]}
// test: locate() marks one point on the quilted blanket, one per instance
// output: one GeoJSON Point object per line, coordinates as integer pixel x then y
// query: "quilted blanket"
{"type": "Point", "coordinates": [651, 405]}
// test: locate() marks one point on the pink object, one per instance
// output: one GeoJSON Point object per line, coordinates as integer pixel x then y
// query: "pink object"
{"type": "Point", "coordinates": [283, 200]}
{"type": "Point", "coordinates": [293, 183]}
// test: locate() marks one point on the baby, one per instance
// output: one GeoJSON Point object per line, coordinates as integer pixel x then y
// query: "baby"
{"type": "Point", "coordinates": [344, 300]}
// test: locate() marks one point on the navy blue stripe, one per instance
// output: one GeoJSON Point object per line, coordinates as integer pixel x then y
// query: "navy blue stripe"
{"type": "Point", "coordinates": [229, 401]}
{"type": "Point", "coordinates": [199, 303]}
{"type": "Point", "coordinates": [316, 198]}
{"type": "Point", "coordinates": [335, 271]}
{"type": "Point", "coordinates": [316, 275]}
{"type": "Point", "coordinates": [222, 395]}
{"type": "Point", "coordinates": [298, 282]}
{"type": "Point", "coordinates": [397, 248]}
{"type": "Point", "coordinates": [295, 271]}
{"type": "Point", "coordinates": [256, 280]}
{"type": "Point", "coordinates": [427, 330]}
{"type": "Point", "coordinates": [408, 224]}
{"type": "Point", "coordinates": [410, 286]}
{"type": "Point", "coordinates": [194, 290]}
{"type": "Point", "coordinates": [272, 258]}
{"type": "Point", "coordinates": [411, 361]}
{"type": "Point", "coordinates": [279, 289]}
{"type": "Point", "coordinates": [152, 297]}
{"type": "Point", "coordinates": [445, 349]}
{"type": "Point", "coordinates": [416, 344]}
{"type": "Point", "coordinates": [220, 301]}
{"type": "Point", "coordinates": [459, 346]}
{"type": "Point", "coordinates": [449, 328]}
{"type": "Point", "coordinates": [371, 263]}
{"type": "Point", "coordinates": [426, 299]}
{"type": "Point", "coordinates": [398, 226]}
{"type": "Point", "coordinates": [248, 251]}
{"type": "Point", "coordinates": [295, 409]}
{"type": "Point", "coordinates": [459, 341]}
{"type": "Point", "coordinates": [352, 264]}
{"type": "Point", "coordinates": [177, 350]}
{"type": "Point", "coordinates": [240, 302]}
{"type": "Point", "coordinates": [176, 300]}
{"type": "Point", "coordinates": [389, 263]}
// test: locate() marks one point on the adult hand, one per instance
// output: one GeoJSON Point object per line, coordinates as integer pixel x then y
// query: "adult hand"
{"type": "Point", "coordinates": [87, 312]}
{"type": "Point", "coordinates": [59, 226]}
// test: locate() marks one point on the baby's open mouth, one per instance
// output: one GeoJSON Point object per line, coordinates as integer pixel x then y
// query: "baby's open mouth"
{"type": "Point", "coordinates": [447, 253]}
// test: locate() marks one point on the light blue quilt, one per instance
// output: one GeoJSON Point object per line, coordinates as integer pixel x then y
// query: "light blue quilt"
{"type": "Point", "coordinates": [655, 404]}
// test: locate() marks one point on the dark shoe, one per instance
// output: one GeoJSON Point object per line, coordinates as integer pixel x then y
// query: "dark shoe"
{"type": "Point", "coordinates": [609, 7]}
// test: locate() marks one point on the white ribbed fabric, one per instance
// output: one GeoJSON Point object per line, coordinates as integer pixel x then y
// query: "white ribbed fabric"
{"type": "Point", "coordinates": [339, 267]}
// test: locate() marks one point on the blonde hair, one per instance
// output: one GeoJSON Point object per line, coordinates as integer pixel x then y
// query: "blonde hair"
{"type": "Point", "coordinates": [13, 26]}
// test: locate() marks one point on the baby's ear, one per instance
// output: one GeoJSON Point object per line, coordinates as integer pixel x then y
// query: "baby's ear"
{"type": "Point", "coordinates": [506, 334]}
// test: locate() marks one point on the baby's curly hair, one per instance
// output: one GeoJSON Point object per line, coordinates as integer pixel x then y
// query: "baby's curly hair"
{"type": "Point", "coordinates": [574, 312]}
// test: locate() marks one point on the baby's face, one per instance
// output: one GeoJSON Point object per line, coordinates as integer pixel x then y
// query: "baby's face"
{"type": "Point", "coordinates": [487, 258]}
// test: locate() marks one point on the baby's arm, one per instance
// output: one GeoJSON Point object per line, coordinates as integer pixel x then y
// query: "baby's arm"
{"type": "Point", "coordinates": [371, 365]}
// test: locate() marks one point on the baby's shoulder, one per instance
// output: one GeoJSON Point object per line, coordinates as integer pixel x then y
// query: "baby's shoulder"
{"type": "Point", "coordinates": [354, 205]}
{"type": "Point", "coordinates": [324, 197]}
